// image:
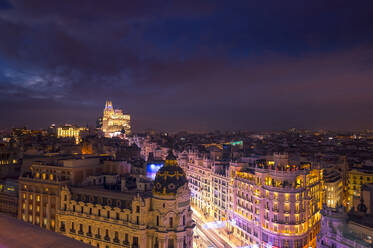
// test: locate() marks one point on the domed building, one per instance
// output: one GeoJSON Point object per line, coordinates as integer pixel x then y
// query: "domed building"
{"type": "Point", "coordinates": [142, 216]}
{"type": "Point", "coordinates": [169, 178]}
{"type": "Point", "coordinates": [171, 204]}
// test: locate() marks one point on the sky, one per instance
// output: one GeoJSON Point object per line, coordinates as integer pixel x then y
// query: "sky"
{"type": "Point", "coordinates": [188, 65]}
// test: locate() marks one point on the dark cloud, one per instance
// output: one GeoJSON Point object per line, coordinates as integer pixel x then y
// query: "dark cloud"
{"type": "Point", "coordinates": [188, 64]}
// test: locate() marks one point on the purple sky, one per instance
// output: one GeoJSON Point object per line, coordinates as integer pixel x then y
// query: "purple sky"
{"type": "Point", "coordinates": [188, 65]}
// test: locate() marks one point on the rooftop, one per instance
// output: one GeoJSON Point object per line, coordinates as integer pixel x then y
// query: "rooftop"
{"type": "Point", "coordinates": [15, 233]}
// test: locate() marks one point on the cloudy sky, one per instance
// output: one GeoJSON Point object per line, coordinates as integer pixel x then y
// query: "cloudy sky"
{"type": "Point", "coordinates": [188, 65]}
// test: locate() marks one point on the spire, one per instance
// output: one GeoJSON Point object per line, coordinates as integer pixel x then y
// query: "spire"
{"type": "Point", "coordinates": [108, 104]}
{"type": "Point", "coordinates": [170, 159]}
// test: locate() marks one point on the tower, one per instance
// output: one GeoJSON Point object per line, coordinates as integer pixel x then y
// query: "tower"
{"type": "Point", "coordinates": [114, 121]}
{"type": "Point", "coordinates": [171, 202]}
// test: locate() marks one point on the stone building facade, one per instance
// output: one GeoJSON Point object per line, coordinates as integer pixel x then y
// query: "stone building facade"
{"type": "Point", "coordinates": [138, 216]}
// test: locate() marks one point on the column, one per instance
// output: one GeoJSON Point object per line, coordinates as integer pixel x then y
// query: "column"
{"type": "Point", "coordinates": [149, 241]}
{"type": "Point", "coordinates": [41, 209]}
{"type": "Point", "coordinates": [179, 242]}
{"type": "Point", "coordinates": [49, 212]}
{"type": "Point", "coordinates": [34, 213]}
{"type": "Point", "coordinates": [143, 240]}
{"type": "Point", "coordinates": [162, 243]}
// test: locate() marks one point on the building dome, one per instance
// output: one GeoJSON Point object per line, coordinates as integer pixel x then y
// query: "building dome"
{"type": "Point", "coordinates": [170, 177]}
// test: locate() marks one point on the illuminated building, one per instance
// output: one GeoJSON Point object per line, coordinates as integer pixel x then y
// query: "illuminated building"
{"type": "Point", "coordinates": [219, 194]}
{"type": "Point", "coordinates": [356, 178]}
{"type": "Point", "coordinates": [137, 216]}
{"type": "Point", "coordinates": [199, 176]}
{"type": "Point", "coordinates": [39, 189]}
{"type": "Point", "coordinates": [333, 187]}
{"type": "Point", "coordinates": [9, 196]}
{"type": "Point", "coordinates": [342, 230]}
{"type": "Point", "coordinates": [114, 121]}
{"type": "Point", "coordinates": [70, 131]}
{"type": "Point", "coordinates": [10, 165]}
{"type": "Point", "coordinates": [277, 204]}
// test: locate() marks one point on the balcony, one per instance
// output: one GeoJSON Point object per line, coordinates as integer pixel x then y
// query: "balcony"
{"type": "Point", "coordinates": [126, 243]}
{"type": "Point", "coordinates": [107, 238]}
{"type": "Point", "coordinates": [72, 230]}
{"type": "Point", "coordinates": [98, 236]}
{"type": "Point", "coordinates": [62, 229]}
{"type": "Point", "coordinates": [116, 240]}
{"type": "Point", "coordinates": [89, 234]}
{"type": "Point", "coordinates": [80, 232]}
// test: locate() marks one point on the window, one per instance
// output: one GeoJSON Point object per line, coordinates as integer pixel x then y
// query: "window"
{"type": "Point", "coordinates": [171, 222]}
{"type": "Point", "coordinates": [99, 212]}
{"type": "Point", "coordinates": [117, 216]}
{"type": "Point", "coordinates": [137, 209]}
{"type": "Point", "coordinates": [137, 220]}
{"type": "Point", "coordinates": [184, 220]}
{"type": "Point", "coordinates": [90, 210]}
{"type": "Point", "coordinates": [126, 237]}
{"type": "Point", "coordinates": [135, 242]}
{"type": "Point", "coordinates": [108, 214]}
{"type": "Point", "coordinates": [157, 220]}
{"type": "Point", "coordinates": [82, 209]}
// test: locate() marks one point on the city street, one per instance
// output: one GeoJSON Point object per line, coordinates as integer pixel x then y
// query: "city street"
{"type": "Point", "coordinates": [210, 236]}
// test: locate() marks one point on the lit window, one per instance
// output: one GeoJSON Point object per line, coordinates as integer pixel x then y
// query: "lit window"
{"type": "Point", "coordinates": [44, 176]}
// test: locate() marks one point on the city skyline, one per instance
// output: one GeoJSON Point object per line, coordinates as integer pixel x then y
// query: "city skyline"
{"type": "Point", "coordinates": [188, 66]}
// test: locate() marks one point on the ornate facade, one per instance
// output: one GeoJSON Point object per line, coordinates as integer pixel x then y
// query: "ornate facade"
{"type": "Point", "coordinates": [277, 204]}
{"type": "Point", "coordinates": [39, 189]}
{"type": "Point", "coordinates": [70, 131]}
{"type": "Point", "coordinates": [131, 216]}
{"type": "Point", "coordinates": [114, 122]}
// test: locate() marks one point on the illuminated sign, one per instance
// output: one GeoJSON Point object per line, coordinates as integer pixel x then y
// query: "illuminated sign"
{"type": "Point", "coordinates": [152, 169]}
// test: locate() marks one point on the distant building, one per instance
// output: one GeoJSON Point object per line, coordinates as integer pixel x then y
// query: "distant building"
{"type": "Point", "coordinates": [70, 131]}
{"type": "Point", "coordinates": [9, 196]}
{"type": "Point", "coordinates": [114, 121]}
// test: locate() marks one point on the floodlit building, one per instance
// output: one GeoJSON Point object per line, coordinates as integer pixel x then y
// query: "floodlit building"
{"type": "Point", "coordinates": [333, 186]}
{"type": "Point", "coordinates": [39, 189]}
{"type": "Point", "coordinates": [357, 177]}
{"type": "Point", "coordinates": [131, 213]}
{"type": "Point", "coordinates": [70, 131]}
{"type": "Point", "coordinates": [340, 229]}
{"type": "Point", "coordinates": [277, 204]}
{"type": "Point", "coordinates": [114, 121]}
